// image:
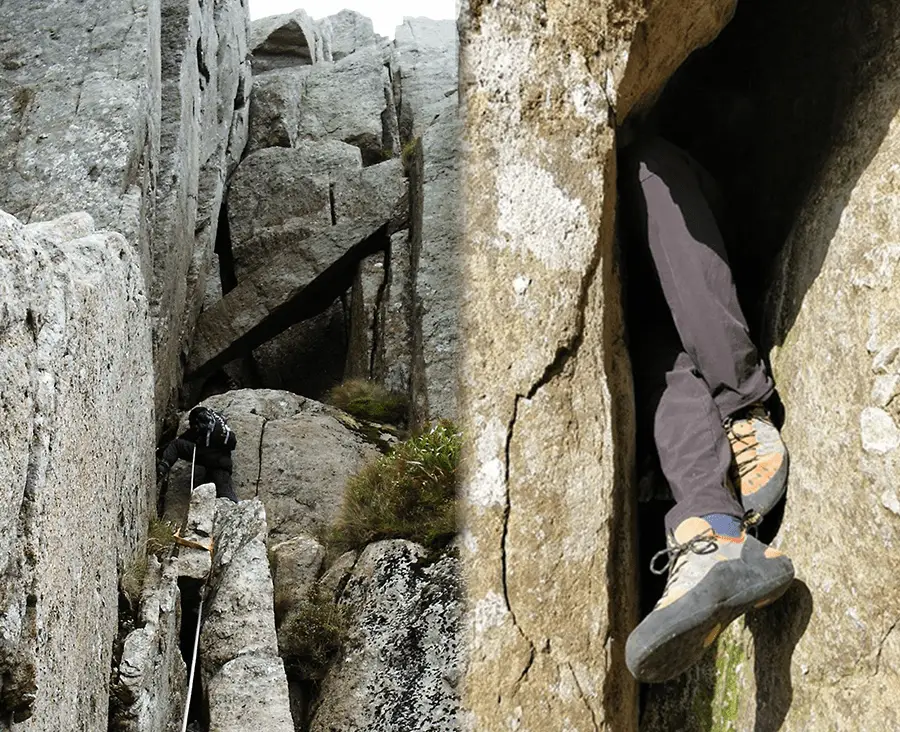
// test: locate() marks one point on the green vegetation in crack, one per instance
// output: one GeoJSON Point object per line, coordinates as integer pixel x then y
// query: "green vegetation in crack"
{"type": "Point", "coordinates": [730, 659]}
{"type": "Point", "coordinates": [369, 401]}
{"type": "Point", "coordinates": [410, 493]}
{"type": "Point", "coordinates": [311, 635]}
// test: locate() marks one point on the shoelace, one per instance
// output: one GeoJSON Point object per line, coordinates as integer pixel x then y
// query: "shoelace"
{"type": "Point", "coordinates": [739, 445]}
{"type": "Point", "coordinates": [704, 543]}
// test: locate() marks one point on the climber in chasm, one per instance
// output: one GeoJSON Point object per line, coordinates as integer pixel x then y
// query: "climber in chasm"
{"type": "Point", "coordinates": [208, 443]}
{"type": "Point", "coordinates": [702, 393]}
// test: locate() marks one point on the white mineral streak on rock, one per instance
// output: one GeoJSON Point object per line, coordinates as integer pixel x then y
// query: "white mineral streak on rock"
{"type": "Point", "coordinates": [488, 486]}
{"type": "Point", "coordinates": [490, 612]}
{"type": "Point", "coordinates": [879, 432]}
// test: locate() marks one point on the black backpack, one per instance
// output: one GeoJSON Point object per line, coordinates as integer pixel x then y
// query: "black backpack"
{"type": "Point", "coordinates": [212, 429]}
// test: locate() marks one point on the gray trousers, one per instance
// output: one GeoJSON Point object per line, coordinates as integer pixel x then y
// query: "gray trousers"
{"type": "Point", "coordinates": [694, 362]}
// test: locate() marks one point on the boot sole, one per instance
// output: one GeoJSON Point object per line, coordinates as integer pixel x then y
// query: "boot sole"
{"type": "Point", "coordinates": [683, 648]}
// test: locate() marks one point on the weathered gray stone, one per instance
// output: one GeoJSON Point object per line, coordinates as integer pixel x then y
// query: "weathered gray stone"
{"type": "Point", "coordinates": [424, 66]}
{"type": "Point", "coordinates": [238, 649]}
{"type": "Point", "coordinates": [404, 661]}
{"type": "Point", "coordinates": [203, 128]}
{"type": "Point", "coordinates": [279, 187]}
{"type": "Point", "coordinates": [340, 101]}
{"type": "Point", "coordinates": [350, 31]}
{"type": "Point", "coordinates": [393, 354]}
{"type": "Point", "coordinates": [75, 463]}
{"type": "Point", "coordinates": [437, 273]}
{"type": "Point", "coordinates": [150, 684]}
{"type": "Point", "coordinates": [307, 460]}
{"type": "Point", "coordinates": [302, 272]}
{"type": "Point", "coordinates": [365, 301]}
{"type": "Point", "coordinates": [544, 367]}
{"type": "Point", "coordinates": [250, 694]}
{"type": "Point", "coordinates": [336, 575]}
{"type": "Point", "coordinates": [193, 561]}
{"type": "Point", "coordinates": [292, 39]}
{"type": "Point", "coordinates": [296, 563]}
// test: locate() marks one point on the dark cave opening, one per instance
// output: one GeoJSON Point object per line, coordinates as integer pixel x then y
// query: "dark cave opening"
{"type": "Point", "coordinates": [760, 109]}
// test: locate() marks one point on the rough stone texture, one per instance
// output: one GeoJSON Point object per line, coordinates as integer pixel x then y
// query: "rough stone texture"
{"type": "Point", "coordinates": [243, 675]}
{"type": "Point", "coordinates": [75, 463]}
{"type": "Point", "coordinates": [293, 453]}
{"type": "Point", "coordinates": [836, 320]}
{"type": "Point", "coordinates": [250, 694]}
{"type": "Point", "coordinates": [276, 187]}
{"type": "Point", "coordinates": [365, 301]}
{"type": "Point", "coordinates": [134, 112]}
{"type": "Point", "coordinates": [151, 680]}
{"type": "Point", "coordinates": [547, 491]}
{"type": "Point", "coordinates": [340, 101]}
{"type": "Point", "coordinates": [403, 666]}
{"type": "Point", "coordinates": [435, 238]}
{"type": "Point", "coordinates": [79, 112]}
{"type": "Point", "coordinates": [303, 272]}
{"type": "Point", "coordinates": [296, 564]}
{"type": "Point", "coordinates": [292, 39]}
{"type": "Point", "coordinates": [393, 350]}
{"type": "Point", "coordinates": [205, 75]}
{"type": "Point", "coordinates": [424, 66]}
{"type": "Point", "coordinates": [312, 456]}
{"type": "Point", "coordinates": [350, 31]}
{"type": "Point", "coordinates": [332, 582]}
{"type": "Point", "coordinates": [195, 562]}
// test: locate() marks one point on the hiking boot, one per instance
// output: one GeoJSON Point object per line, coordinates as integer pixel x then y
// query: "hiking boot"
{"type": "Point", "coordinates": [759, 465]}
{"type": "Point", "coordinates": [712, 581]}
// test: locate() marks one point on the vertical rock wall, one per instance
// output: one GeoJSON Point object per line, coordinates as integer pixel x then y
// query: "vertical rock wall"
{"type": "Point", "coordinates": [75, 464]}
{"type": "Point", "coordinates": [546, 384]}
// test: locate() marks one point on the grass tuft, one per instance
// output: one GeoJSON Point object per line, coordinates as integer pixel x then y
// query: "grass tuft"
{"type": "Point", "coordinates": [370, 401]}
{"type": "Point", "coordinates": [410, 493]}
{"type": "Point", "coordinates": [311, 635]}
{"type": "Point", "coordinates": [160, 537]}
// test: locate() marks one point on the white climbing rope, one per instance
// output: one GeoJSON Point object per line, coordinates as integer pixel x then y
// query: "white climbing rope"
{"type": "Point", "coordinates": [190, 689]}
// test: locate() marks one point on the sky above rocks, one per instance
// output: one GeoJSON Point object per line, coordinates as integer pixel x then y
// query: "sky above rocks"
{"type": "Point", "coordinates": [386, 15]}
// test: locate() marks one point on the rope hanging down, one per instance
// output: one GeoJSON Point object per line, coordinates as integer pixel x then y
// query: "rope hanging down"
{"type": "Point", "coordinates": [190, 689]}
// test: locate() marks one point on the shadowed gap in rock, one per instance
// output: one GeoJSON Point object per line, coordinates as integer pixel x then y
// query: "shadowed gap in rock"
{"type": "Point", "coordinates": [190, 590]}
{"type": "Point", "coordinates": [760, 109]}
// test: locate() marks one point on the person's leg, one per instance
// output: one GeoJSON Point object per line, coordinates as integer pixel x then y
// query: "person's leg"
{"type": "Point", "coordinates": [689, 256]}
{"type": "Point", "coordinates": [224, 484]}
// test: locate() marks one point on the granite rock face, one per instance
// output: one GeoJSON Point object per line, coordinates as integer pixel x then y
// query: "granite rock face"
{"type": "Point", "coordinates": [545, 374]}
{"type": "Point", "coordinates": [403, 664]}
{"type": "Point", "coordinates": [292, 39]}
{"type": "Point", "coordinates": [242, 673]}
{"type": "Point", "coordinates": [76, 461]}
{"type": "Point", "coordinates": [135, 113]}
{"type": "Point", "coordinates": [350, 31]}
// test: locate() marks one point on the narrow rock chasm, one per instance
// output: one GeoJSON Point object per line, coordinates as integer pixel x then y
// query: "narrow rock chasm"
{"type": "Point", "coordinates": [191, 591]}
{"type": "Point", "coordinates": [759, 108]}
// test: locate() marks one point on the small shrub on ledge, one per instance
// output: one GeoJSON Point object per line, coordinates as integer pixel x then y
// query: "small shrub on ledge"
{"type": "Point", "coordinates": [370, 401]}
{"type": "Point", "coordinates": [410, 493]}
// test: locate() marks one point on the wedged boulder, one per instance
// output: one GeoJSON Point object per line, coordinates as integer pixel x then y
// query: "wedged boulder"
{"type": "Point", "coordinates": [150, 683]}
{"type": "Point", "coordinates": [404, 659]}
{"type": "Point", "coordinates": [365, 301]}
{"type": "Point", "coordinates": [424, 65]}
{"type": "Point", "coordinates": [298, 273]}
{"type": "Point", "coordinates": [435, 239]}
{"type": "Point", "coordinates": [76, 472]}
{"type": "Point", "coordinates": [343, 101]}
{"type": "Point", "coordinates": [292, 39]}
{"type": "Point", "coordinates": [242, 672]}
{"type": "Point", "coordinates": [350, 31]}
{"type": "Point", "coordinates": [544, 374]}
{"type": "Point", "coordinates": [279, 186]}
